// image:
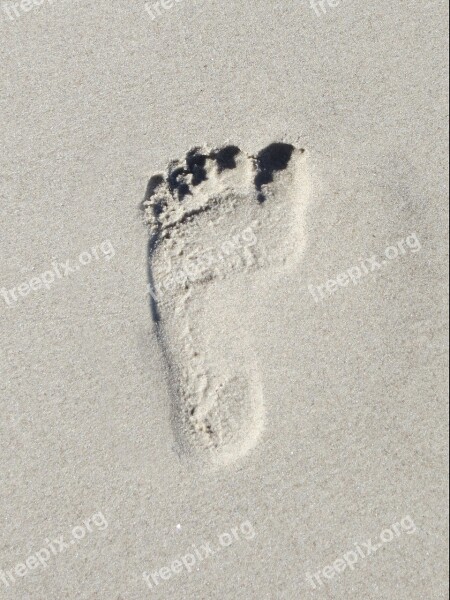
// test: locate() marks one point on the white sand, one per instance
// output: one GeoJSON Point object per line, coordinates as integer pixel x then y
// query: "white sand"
{"type": "Point", "coordinates": [348, 377]}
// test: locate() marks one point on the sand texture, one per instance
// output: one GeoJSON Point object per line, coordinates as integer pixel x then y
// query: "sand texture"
{"type": "Point", "coordinates": [224, 300]}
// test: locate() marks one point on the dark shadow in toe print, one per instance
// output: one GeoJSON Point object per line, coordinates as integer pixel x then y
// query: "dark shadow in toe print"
{"type": "Point", "coordinates": [152, 186]}
{"type": "Point", "coordinates": [274, 158]}
{"type": "Point", "coordinates": [225, 158]}
{"type": "Point", "coordinates": [196, 165]}
{"type": "Point", "coordinates": [177, 183]}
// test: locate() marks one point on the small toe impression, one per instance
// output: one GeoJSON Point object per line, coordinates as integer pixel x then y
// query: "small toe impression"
{"type": "Point", "coordinates": [196, 165]}
{"type": "Point", "coordinates": [226, 158]}
{"type": "Point", "coordinates": [177, 181]}
{"type": "Point", "coordinates": [189, 173]}
{"type": "Point", "coordinates": [155, 201]}
{"type": "Point", "coordinates": [153, 185]}
{"type": "Point", "coordinates": [275, 157]}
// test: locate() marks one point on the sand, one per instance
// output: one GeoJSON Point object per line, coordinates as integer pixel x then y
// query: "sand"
{"type": "Point", "coordinates": [223, 368]}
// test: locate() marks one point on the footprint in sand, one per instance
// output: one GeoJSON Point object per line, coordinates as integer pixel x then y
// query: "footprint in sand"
{"type": "Point", "coordinates": [221, 222]}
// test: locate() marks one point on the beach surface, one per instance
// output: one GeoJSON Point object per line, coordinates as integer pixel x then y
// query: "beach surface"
{"type": "Point", "coordinates": [268, 422]}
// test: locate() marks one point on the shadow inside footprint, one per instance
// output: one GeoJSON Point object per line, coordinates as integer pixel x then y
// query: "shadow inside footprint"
{"type": "Point", "coordinates": [274, 158]}
{"type": "Point", "coordinates": [226, 158]}
{"type": "Point", "coordinates": [152, 186]}
{"type": "Point", "coordinates": [196, 163]}
{"type": "Point", "coordinates": [177, 183]}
